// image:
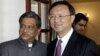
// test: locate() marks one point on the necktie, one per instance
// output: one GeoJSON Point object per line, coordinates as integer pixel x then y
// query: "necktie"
{"type": "Point", "coordinates": [58, 49]}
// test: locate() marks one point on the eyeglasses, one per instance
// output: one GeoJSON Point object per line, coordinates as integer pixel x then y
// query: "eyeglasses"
{"type": "Point", "coordinates": [52, 17]}
{"type": "Point", "coordinates": [30, 27]}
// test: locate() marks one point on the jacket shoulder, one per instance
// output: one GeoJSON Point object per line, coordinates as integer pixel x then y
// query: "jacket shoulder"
{"type": "Point", "coordinates": [83, 38]}
{"type": "Point", "coordinates": [7, 43]}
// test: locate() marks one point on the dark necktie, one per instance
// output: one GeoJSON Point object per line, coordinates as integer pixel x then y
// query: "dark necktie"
{"type": "Point", "coordinates": [58, 49]}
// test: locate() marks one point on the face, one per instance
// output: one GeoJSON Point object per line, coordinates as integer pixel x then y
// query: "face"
{"type": "Point", "coordinates": [28, 29]}
{"type": "Point", "coordinates": [60, 19]}
{"type": "Point", "coordinates": [80, 27]}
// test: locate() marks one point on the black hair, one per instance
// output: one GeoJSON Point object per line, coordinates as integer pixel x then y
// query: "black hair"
{"type": "Point", "coordinates": [80, 16]}
{"type": "Point", "coordinates": [33, 15]}
{"type": "Point", "coordinates": [71, 8]}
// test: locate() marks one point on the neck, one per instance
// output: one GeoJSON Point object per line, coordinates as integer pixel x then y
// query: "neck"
{"type": "Point", "coordinates": [63, 33]}
{"type": "Point", "coordinates": [29, 42]}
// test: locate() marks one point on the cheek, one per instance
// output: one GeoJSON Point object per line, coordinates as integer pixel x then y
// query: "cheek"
{"type": "Point", "coordinates": [33, 32]}
{"type": "Point", "coordinates": [67, 21]}
{"type": "Point", "coordinates": [51, 23]}
{"type": "Point", "coordinates": [20, 31]}
{"type": "Point", "coordinates": [76, 27]}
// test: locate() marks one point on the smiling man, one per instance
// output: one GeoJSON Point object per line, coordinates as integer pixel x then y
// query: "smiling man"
{"type": "Point", "coordinates": [68, 41]}
{"type": "Point", "coordinates": [80, 23]}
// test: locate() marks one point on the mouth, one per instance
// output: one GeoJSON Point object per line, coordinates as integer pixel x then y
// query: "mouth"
{"type": "Point", "coordinates": [57, 25]}
{"type": "Point", "coordinates": [25, 35]}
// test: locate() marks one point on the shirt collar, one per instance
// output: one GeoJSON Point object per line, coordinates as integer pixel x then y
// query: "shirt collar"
{"type": "Point", "coordinates": [26, 44]}
{"type": "Point", "coordinates": [66, 37]}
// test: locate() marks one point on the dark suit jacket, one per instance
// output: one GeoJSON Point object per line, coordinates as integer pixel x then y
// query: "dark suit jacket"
{"type": "Point", "coordinates": [78, 45]}
{"type": "Point", "coordinates": [17, 47]}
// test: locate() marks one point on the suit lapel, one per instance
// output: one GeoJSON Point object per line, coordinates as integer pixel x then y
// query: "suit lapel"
{"type": "Point", "coordinates": [54, 44]}
{"type": "Point", "coordinates": [51, 48]}
{"type": "Point", "coordinates": [70, 46]}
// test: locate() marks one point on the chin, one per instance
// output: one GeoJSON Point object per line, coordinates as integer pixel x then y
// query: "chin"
{"type": "Point", "coordinates": [25, 38]}
{"type": "Point", "coordinates": [58, 31]}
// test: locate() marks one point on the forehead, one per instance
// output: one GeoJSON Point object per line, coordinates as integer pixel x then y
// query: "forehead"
{"type": "Point", "coordinates": [60, 9]}
{"type": "Point", "coordinates": [28, 21]}
{"type": "Point", "coordinates": [82, 21]}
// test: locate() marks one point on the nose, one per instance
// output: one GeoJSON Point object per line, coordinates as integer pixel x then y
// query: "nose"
{"type": "Point", "coordinates": [25, 30]}
{"type": "Point", "coordinates": [83, 27]}
{"type": "Point", "coordinates": [56, 19]}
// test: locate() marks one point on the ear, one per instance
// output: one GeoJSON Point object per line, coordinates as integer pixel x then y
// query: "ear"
{"type": "Point", "coordinates": [39, 30]}
{"type": "Point", "coordinates": [72, 18]}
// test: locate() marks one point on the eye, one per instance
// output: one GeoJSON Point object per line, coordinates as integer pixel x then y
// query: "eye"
{"type": "Point", "coordinates": [60, 16]}
{"type": "Point", "coordinates": [30, 27]}
{"type": "Point", "coordinates": [22, 26]}
{"type": "Point", "coordinates": [51, 16]}
{"type": "Point", "coordinates": [82, 25]}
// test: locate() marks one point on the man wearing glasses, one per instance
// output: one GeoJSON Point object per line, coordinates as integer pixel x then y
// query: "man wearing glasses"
{"type": "Point", "coordinates": [26, 44]}
{"type": "Point", "coordinates": [68, 42]}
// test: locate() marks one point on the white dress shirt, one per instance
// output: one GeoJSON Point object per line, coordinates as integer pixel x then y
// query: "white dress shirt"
{"type": "Point", "coordinates": [65, 40]}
